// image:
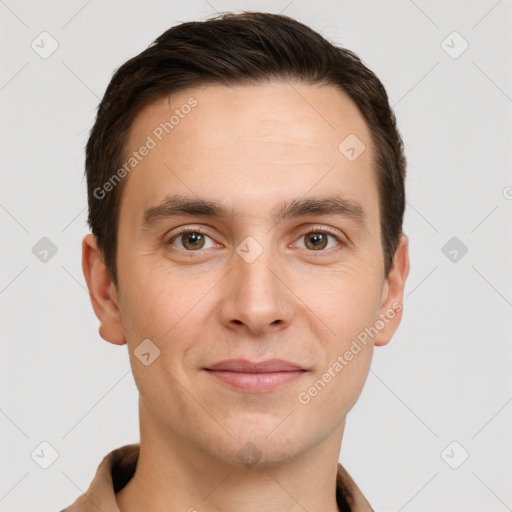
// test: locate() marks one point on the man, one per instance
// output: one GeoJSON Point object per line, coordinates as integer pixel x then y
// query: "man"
{"type": "Point", "coordinates": [246, 196]}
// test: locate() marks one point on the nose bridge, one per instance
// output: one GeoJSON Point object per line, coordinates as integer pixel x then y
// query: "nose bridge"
{"type": "Point", "coordinates": [256, 275]}
{"type": "Point", "coordinates": [257, 295]}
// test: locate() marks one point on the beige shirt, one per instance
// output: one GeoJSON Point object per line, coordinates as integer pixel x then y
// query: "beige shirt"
{"type": "Point", "coordinates": [119, 465]}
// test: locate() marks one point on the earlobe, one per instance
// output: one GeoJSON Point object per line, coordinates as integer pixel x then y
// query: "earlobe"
{"type": "Point", "coordinates": [102, 292]}
{"type": "Point", "coordinates": [393, 293]}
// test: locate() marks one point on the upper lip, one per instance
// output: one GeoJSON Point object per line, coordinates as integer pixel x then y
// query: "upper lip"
{"type": "Point", "coordinates": [244, 366]}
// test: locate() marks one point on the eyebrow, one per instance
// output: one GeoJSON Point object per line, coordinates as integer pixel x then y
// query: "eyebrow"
{"type": "Point", "coordinates": [179, 205]}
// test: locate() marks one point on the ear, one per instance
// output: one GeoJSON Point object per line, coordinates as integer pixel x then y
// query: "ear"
{"type": "Point", "coordinates": [392, 294]}
{"type": "Point", "coordinates": [102, 292]}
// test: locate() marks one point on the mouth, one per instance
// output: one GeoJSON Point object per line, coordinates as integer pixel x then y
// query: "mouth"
{"type": "Point", "coordinates": [251, 377]}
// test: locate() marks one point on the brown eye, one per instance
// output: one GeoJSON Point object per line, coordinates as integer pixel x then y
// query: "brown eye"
{"type": "Point", "coordinates": [190, 240]}
{"type": "Point", "coordinates": [316, 241]}
{"type": "Point", "coordinates": [319, 240]}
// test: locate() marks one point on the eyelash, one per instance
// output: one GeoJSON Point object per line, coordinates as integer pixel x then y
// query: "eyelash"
{"type": "Point", "coordinates": [312, 230]}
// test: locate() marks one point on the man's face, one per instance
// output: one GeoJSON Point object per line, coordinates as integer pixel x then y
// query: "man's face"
{"type": "Point", "coordinates": [253, 286]}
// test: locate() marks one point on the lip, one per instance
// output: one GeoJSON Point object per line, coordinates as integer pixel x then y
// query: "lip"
{"type": "Point", "coordinates": [255, 377]}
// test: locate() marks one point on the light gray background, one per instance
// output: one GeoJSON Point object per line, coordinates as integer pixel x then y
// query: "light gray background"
{"type": "Point", "coordinates": [445, 376]}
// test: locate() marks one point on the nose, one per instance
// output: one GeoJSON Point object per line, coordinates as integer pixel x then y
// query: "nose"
{"type": "Point", "coordinates": [256, 298]}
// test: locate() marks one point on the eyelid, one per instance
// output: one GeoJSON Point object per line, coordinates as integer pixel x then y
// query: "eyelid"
{"type": "Point", "coordinates": [169, 238]}
{"type": "Point", "coordinates": [340, 238]}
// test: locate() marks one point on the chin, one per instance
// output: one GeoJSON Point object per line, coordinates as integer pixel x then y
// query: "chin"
{"type": "Point", "coordinates": [262, 442]}
{"type": "Point", "coordinates": [254, 452]}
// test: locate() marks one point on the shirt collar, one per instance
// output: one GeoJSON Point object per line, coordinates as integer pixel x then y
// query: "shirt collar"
{"type": "Point", "coordinates": [116, 469]}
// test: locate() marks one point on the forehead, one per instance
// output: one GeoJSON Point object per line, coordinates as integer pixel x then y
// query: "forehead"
{"type": "Point", "coordinates": [295, 112]}
{"type": "Point", "coordinates": [248, 144]}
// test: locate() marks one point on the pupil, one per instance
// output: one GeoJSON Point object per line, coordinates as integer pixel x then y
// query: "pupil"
{"type": "Point", "coordinates": [194, 239]}
{"type": "Point", "coordinates": [318, 240]}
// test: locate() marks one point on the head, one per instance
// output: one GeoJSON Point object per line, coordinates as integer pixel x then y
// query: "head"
{"type": "Point", "coordinates": [246, 197]}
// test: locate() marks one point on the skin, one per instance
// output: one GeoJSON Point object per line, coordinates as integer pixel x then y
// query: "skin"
{"type": "Point", "coordinates": [251, 147]}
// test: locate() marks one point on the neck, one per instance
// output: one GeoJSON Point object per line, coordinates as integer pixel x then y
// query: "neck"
{"type": "Point", "coordinates": [175, 475]}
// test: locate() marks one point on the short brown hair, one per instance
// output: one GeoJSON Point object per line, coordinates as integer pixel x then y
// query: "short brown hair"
{"type": "Point", "coordinates": [236, 49]}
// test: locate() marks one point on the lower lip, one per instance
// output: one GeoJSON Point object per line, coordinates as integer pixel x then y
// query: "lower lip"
{"type": "Point", "coordinates": [256, 382]}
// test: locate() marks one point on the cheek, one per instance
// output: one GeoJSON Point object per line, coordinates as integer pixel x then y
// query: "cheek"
{"type": "Point", "coordinates": [349, 307]}
{"type": "Point", "coordinates": [345, 310]}
{"type": "Point", "coordinates": [166, 308]}
{"type": "Point", "coordinates": [331, 394]}
{"type": "Point", "coordinates": [345, 301]}
{"type": "Point", "coordinates": [163, 312]}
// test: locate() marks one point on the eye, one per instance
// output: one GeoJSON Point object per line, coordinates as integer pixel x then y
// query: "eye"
{"type": "Point", "coordinates": [319, 240]}
{"type": "Point", "coordinates": [191, 240]}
